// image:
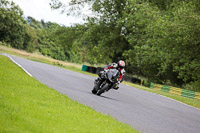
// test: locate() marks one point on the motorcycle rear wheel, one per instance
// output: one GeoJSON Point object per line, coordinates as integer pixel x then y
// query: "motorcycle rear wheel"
{"type": "Point", "coordinates": [102, 90]}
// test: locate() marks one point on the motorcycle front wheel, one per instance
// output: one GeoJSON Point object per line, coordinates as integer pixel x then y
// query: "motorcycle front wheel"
{"type": "Point", "coordinates": [94, 91]}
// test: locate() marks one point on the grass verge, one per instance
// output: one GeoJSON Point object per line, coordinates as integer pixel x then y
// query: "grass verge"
{"type": "Point", "coordinates": [77, 68]}
{"type": "Point", "coordinates": [44, 59]}
{"type": "Point", "coordinates": [189, 101]}
{"type": "Point", "coordinates": [26, 105]}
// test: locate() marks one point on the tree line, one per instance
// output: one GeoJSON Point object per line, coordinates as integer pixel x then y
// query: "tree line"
{"type": "Point", "coordinates": [158, 39]}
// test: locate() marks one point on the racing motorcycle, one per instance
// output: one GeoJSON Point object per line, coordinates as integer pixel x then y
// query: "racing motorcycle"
{"type": "Point", "coordinates": [107, 80]}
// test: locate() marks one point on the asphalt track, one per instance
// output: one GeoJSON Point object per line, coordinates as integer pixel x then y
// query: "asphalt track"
{"type": "Point", "coordinates": [144, 111]}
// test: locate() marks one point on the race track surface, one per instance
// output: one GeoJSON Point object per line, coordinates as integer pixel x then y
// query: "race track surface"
{"type": "Point", "coordinates": [144, 111]}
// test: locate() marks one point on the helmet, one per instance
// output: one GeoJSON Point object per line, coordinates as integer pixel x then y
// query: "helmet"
{"type": "Point", "coordinates": [121, 64]}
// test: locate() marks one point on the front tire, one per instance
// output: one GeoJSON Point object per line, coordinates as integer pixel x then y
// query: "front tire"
{"type": "Point", "coordinates": [94, 91]}
{"type": "Point", "coordinates": [102, 90]}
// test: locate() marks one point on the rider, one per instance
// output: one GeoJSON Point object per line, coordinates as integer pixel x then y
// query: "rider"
{"type": "Point", "coordinates": [119, 66]}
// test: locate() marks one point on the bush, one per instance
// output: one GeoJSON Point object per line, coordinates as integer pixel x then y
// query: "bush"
{"type": "Point", "coordinates": [146, 83]}
{"type": "Point", "coordinates": [193, 86]}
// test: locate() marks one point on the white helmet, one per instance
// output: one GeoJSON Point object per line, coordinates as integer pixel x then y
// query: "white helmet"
{"type": "Point", "coordinates": [121, 64]}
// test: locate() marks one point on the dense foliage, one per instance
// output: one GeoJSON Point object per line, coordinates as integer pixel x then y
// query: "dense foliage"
{"type": "Point", "coordinates": [165, 41]}
{"type": "Point", "coordinates": [13, 28]}
{"type": "Point", "coordinates": [159, 40]}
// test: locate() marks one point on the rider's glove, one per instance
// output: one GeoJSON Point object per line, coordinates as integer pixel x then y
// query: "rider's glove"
{"type": "Point", "coordinates": [106, 70]}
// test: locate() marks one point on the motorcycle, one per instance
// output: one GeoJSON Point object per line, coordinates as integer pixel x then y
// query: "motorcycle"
{"type": "Point", "coordinates": [107, 80]}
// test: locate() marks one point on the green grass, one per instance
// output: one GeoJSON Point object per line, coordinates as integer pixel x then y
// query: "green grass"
{"type": "Point", "coordinates": [189, 101]}
{"type": "Point", "coordinates": [44, 59]}
{"type": "Point", "coordinates": [26, 105]}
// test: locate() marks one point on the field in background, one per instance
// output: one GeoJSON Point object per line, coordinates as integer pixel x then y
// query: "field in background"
{"type": "Point", "coordinates": [37, 57]}
{"type": "Point", "coordinates": [44, 59]}
{"type": "Point", "coordinates": [77, 68]}
{"type": "Point", "coordinates": [26, 105]}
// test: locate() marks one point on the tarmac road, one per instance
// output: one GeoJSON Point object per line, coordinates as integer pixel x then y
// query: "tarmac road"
{"type": "Point", "coordinates": [144, 111]}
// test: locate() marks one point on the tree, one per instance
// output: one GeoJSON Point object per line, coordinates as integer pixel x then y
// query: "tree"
{"type": "Point", "coordinates": [13, 28]}
{"type": "Point", "coordinates": [68, 39]}
{"type": "Point", "coordinates": [103, 40]}
{"type": "Point", "coordinates": [165, 49]}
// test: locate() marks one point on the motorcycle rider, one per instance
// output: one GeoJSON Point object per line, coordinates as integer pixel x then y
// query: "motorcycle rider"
{"type": "Point", "coordinates": [119, 66]}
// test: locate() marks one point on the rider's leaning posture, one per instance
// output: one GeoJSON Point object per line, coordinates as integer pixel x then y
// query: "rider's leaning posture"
{"type": "Point", "coordinates": [119, 66]}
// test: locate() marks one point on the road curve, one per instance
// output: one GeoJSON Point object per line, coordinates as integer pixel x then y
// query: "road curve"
{"type": "Point", "coordinates": [144, 111]}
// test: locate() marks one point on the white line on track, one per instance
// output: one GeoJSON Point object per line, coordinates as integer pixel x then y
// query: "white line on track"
{"type": "Point", "coordinates": [18, 64]}
{"type": "Point", "coordinates": [174, 100]}
{"type": "Point", "coordinates": [180, 102]}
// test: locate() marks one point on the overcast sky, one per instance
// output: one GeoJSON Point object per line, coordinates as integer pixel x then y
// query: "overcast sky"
{"type": "Point", "coordinates": [40, 9]}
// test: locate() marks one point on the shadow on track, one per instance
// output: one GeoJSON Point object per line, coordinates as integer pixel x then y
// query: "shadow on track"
{"type": "Point", "coordinates": [109, 98]}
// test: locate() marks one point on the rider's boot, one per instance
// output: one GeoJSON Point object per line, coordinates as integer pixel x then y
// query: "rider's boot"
{"type": "Point", "coordinates": [116, 87]}
{"type": "Point", "coordinates": [96, 81]}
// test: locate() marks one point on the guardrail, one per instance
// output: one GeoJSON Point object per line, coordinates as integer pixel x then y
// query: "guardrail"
{"type": "Point", "coordinates": [91, 69]}
{"type": "Point", "coordinates": [177, 91]}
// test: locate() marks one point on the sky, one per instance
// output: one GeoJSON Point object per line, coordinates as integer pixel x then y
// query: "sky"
{"type": "Point", "coordinates": [40, 9]}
